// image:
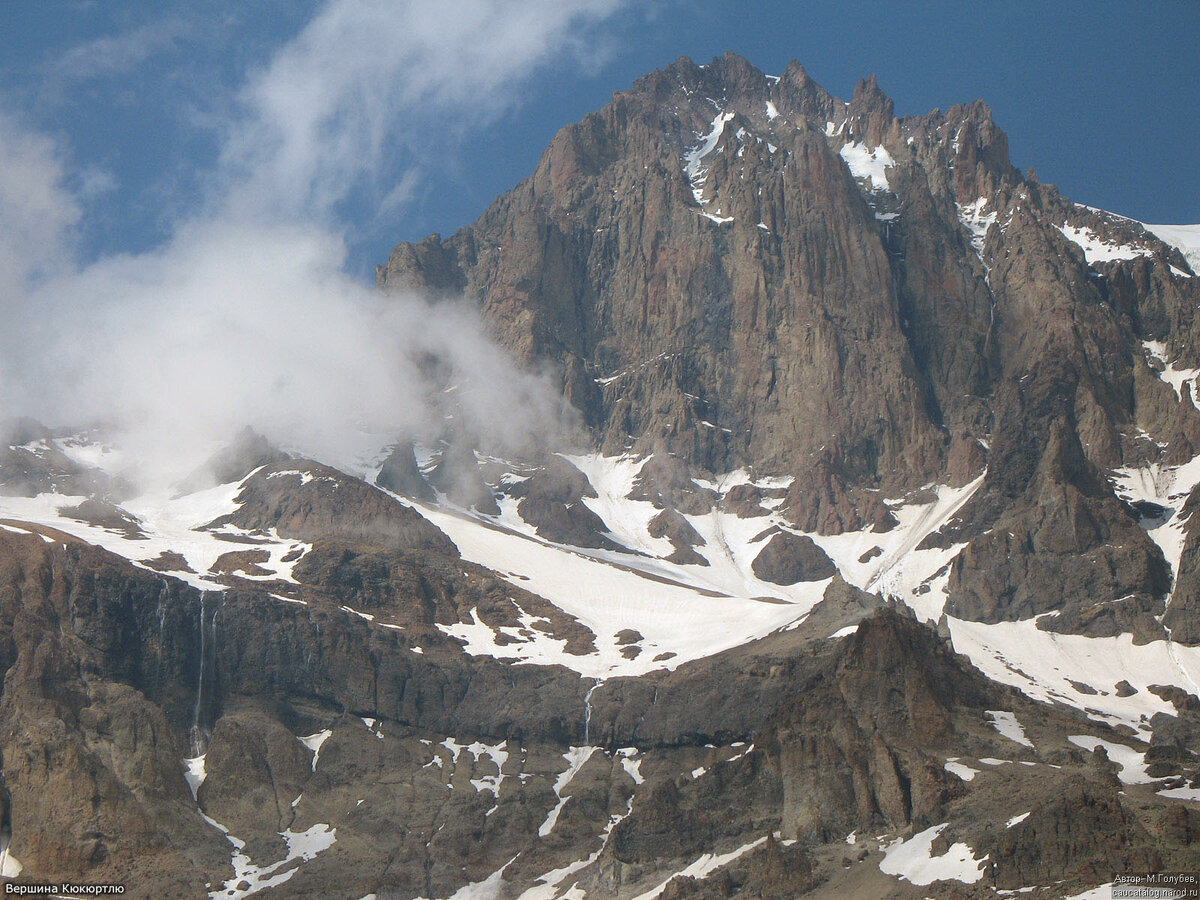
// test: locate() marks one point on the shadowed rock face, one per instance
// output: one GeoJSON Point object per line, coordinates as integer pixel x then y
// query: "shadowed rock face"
{"type": "Point", "coordinates": [551, 500]}
{"type": "Point", "coordinates": [790, 558]}
{"type": "Point", "coordinates": [400, 474]}
{"type": "Point", "coordinates": [308, 501]}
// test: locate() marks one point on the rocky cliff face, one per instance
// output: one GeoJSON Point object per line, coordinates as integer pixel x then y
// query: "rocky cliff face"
{"type": "Point", "coordinates": [742, 269]}
{"type": "Point", "coordinates": [880, 577]}
{"type": "Point", "coordinates": [310, 728]}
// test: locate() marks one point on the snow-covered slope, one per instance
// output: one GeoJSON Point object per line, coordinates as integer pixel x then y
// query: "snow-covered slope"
{"type": "Point", "coordinates": [648, 613]}
{"type": "Point", "coordinates": [1184, 238]}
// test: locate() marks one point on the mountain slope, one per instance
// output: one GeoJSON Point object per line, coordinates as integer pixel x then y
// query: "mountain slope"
{"type": "Point", "coordinates": [878, 577]}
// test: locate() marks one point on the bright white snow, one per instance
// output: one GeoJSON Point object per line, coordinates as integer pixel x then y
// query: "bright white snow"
{"type": "Point", "coordinates": [1042, 664]}
{"type": "Point", "coordinates": [1132, 762]}
{"type": "Point", "coordinates": [913, 861]}
{"type": "Point", "coordinates": [1096, 250]}
{"type": "Point", "coordinates": [313, 742]}
{"type": "Point", "coordinates": [1185, 238]}
{"type": "Point", "coordinates": [193, 773]}
{"type": "Point", "coordinates": [1006, 723]}
{"type": "Point", "coordinates": [703, 867]}
{"type": "Point", "coordinates": [869, 163]}
{"type": "Point", "coordinates": [575, 758]}
{"type": "Point", "coordinates": [954, 767]}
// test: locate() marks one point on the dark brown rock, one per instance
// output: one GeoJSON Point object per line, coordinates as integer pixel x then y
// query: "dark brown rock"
{"type": "Point", "coordinates": [308, 501]}
{"type": "Point", "coordinates": [789, 558]}
{"type": "Point", "coordinates": [401, 475]}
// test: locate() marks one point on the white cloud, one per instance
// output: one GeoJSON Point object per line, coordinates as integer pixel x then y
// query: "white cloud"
{"type": "Point", "coordinates": [245, 316]}
{"type": "Point", "coordinates": [118, 53]}
{"type": "Point", "coordinates": [36, 209]}
{"type": "Point", "coordinates": [365, 73]}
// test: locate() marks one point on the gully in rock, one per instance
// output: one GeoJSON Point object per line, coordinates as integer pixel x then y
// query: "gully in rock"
{"type": "Point", "coordinates": [587, 712]}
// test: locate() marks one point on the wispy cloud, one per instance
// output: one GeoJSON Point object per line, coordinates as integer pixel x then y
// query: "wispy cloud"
{"type": "Point", "coordinates": [37, 211]}
{"type": "Point", "coordinates": [246, 316]}
{"type": "Point", "coordinates": [367, 75]}
{"type": "Point", "coordinates": [117, 54]}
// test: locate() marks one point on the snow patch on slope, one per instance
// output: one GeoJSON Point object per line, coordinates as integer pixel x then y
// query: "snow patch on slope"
{"type": "Point", "coordinates": [697, 172]}
{"type": "Point", "coordinates": [1181, 379]}
{"type": "Point", "coordinates": [703, 867]}
{"type": "Point", "coordinates": [977, 222]}
{"type": "Point", "coordinates": [913, 860]}
{"type": "Point", "coordinates": [1184, 238]}
{"type": "Point", "coordinates": [868, 163]}
{"type": "Point", "coordinates": [1097, 250]}
{"type": "Point", "coordinates": [1165, 486]}
{"type": "Point", "coordinates": [169, 523]}
{"type": "Point", "coordinates": [1047, 666]}
{"type": "Point", "coordinates": [1132, 763]}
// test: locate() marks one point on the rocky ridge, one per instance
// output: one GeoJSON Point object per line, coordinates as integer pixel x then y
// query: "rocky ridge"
{"type": "Point", "coordinates": [877, 579]}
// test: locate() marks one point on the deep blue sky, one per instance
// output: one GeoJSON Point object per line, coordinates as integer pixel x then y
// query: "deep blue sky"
{"type": "Point", "coordinates": [1102, 98]}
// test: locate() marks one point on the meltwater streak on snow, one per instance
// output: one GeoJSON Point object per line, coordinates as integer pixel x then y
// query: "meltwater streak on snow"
{"type": "Point", "coordinates": [913, 861]}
